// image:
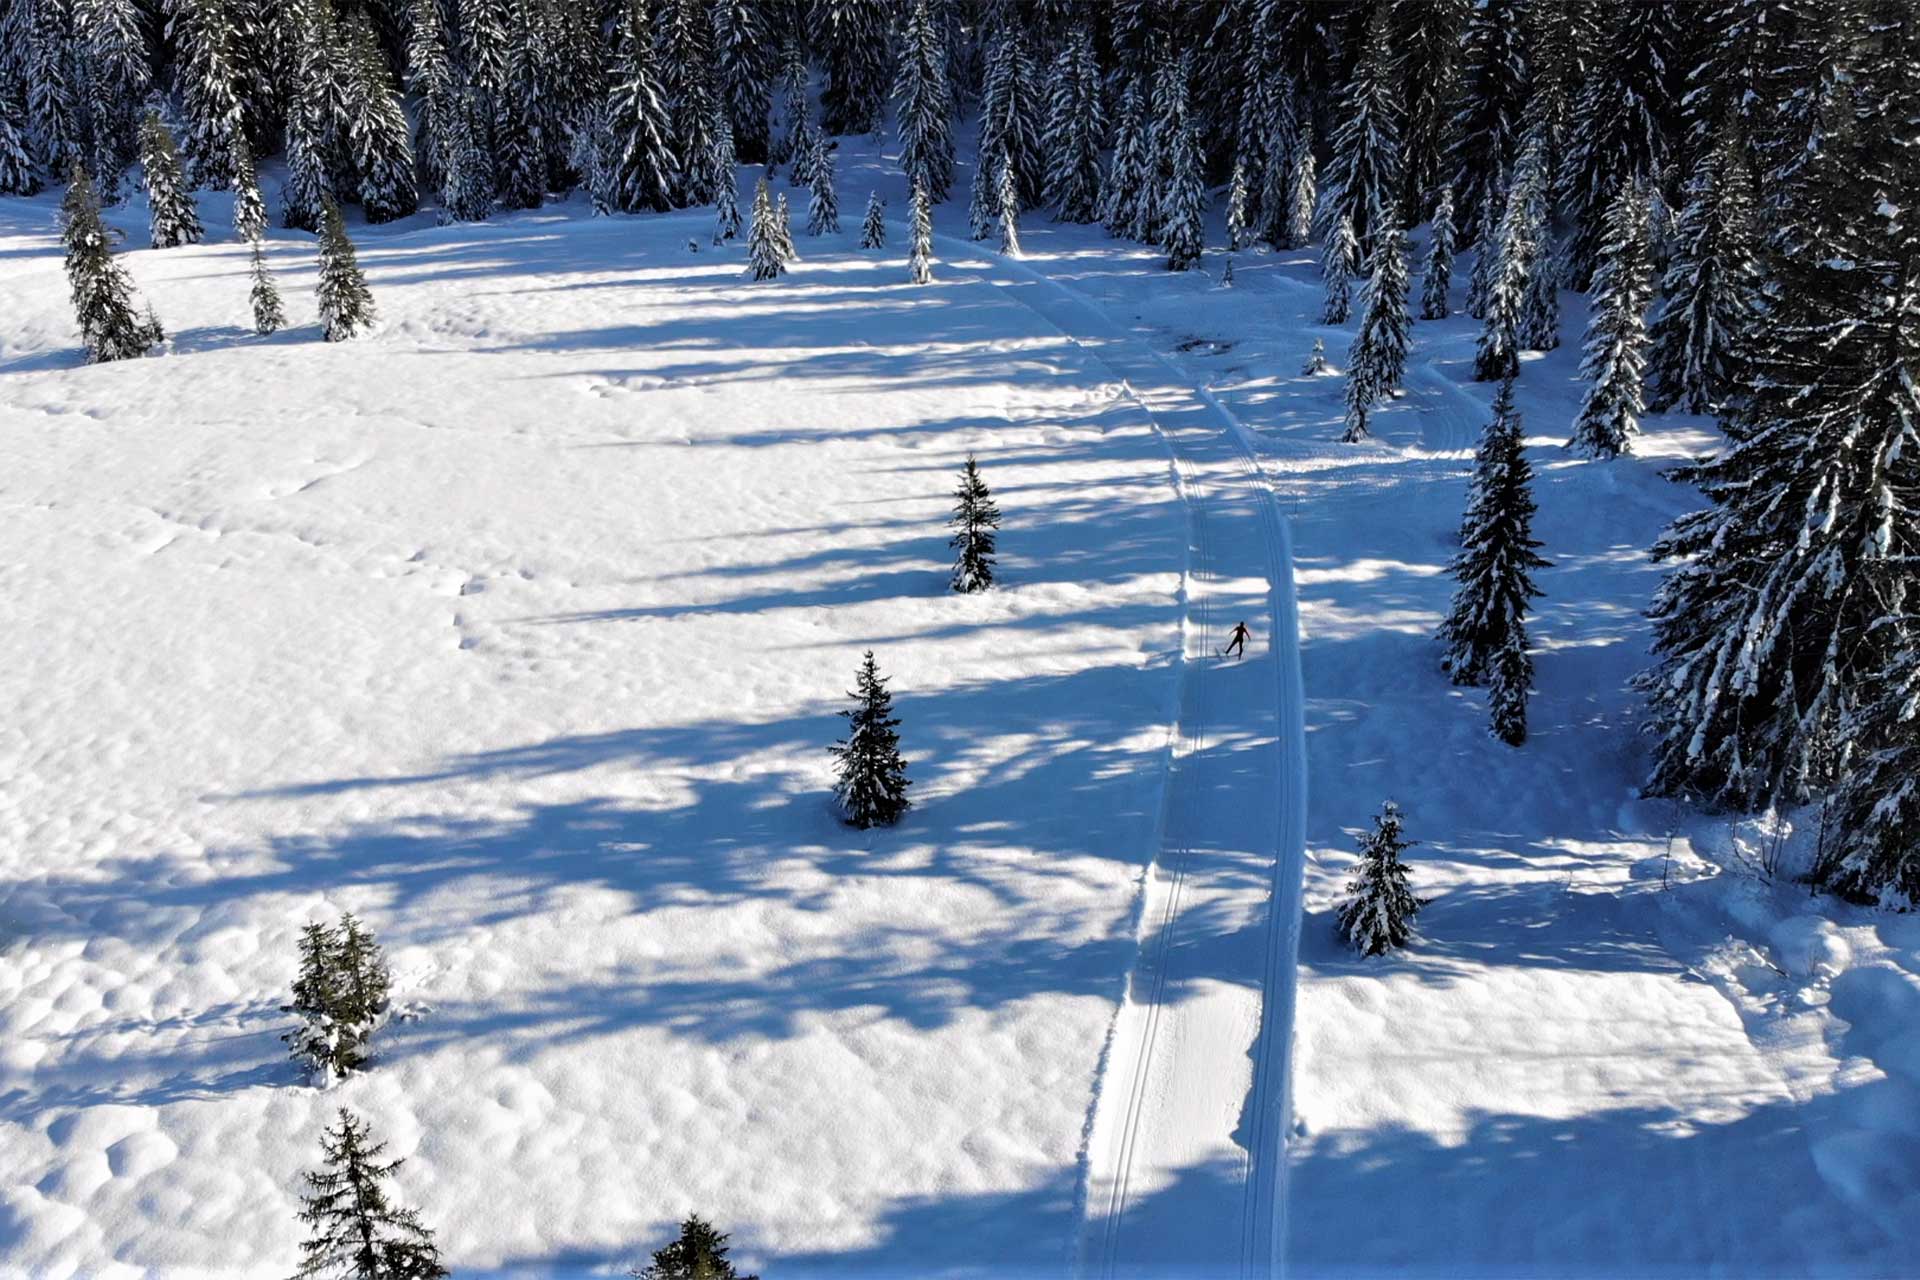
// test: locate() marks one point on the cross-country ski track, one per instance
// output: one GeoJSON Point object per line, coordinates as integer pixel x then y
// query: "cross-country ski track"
{"type": "Point", "coordinates": [1186, 1157]}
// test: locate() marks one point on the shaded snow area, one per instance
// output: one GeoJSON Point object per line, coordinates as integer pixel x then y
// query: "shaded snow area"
{"type": "Point", "coordinates": [519, 628]}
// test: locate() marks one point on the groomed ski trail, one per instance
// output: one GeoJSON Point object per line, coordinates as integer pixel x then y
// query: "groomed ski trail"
{"type": "Point", "coordinates": [1186, 1161]}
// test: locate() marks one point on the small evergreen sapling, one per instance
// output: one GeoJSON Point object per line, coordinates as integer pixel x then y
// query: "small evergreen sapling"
{"type": "Point", "coordinates": [103, 301]}
{"type": "Point", "coordinates": [1378, 912]}
{"type": "Point", "coordinates": [1337, 265]}
{"type": "Point", "coordinates": [172, 218]}
{"type": "Point", "coordinates": [1237, 205]}
{"type": "Point", "coordinates": [699, 1254]}
{"type": "Point", "coordinates": [1316, 360]}
{"type": "Point", "coordinates": [873, 228]}
{"type": "Point", "coordinates": [249, 206]}
{"type": "Point", "coordinates": [354, 1229]}
{"type": "Point", "coordinates": [346, 306]}
{"type": "Point", "coordinates": [765, 261]}
{"type": "Point", "coordinates": [340, 997]}
{"type": "Point", "coordinates": [1493, 568]}
{"type": "Point", "coordinates": [268, 314]}
{"type": "Point", "coordinates": [975, 517]}
{"type": "Point", "coordinates": [783, 229]}
{"type": "Point", "coordinates": [920, 234]}
{"type": "Point", "coordinates": [872, 790]}
{"type": "Point", "coordinates": [1439, 277]}
{"type": "Point", "coordinates": [823, 203]}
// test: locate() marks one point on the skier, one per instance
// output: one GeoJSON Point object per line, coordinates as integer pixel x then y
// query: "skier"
{"type": "Point", "coordinates": [1237, 640]}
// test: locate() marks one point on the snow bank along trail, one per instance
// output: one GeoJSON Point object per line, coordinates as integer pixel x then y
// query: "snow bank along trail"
{"type": "Point", "coordinates": [1186, 1158]}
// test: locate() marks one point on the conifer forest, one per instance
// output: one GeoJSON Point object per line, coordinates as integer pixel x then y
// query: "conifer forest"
{"type": "Point", "coordinates": [1019, 638]}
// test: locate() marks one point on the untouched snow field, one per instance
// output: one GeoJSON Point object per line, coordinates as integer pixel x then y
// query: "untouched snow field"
{"type": "Point", "coordinates": [519, 628]}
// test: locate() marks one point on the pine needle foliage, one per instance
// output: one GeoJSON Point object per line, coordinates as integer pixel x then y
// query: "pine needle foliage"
{"type": "Point", "coordinates": [974, 520]}
{"type": "Point", "coordinates": [354, 1230]}
{"type": "Point", "coordinates": [872, 790]}
{"type": "Point", "coordinates": [1378, 912]}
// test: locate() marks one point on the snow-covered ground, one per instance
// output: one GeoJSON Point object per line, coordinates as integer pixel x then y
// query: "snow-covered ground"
{"type": "Point", "coordinates": [519, 627]}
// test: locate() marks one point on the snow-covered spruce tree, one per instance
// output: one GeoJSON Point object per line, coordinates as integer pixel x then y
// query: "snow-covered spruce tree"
{"type": "Point", "coordinates": [1362, 180]}
{"type": "Point", "coordinates": [1509, 685]}
{"type": "Point", "coordinates": [1616, 351]}
{"type": "Point", "coordinates": [1010, 113]}
{"type": "Point", "coordinates": [856, 47]}
{"type": "Point", "coordinates": [118, 74]}
{"type": "Point", "coordinates": [724, 177]}
{"type": "Point", "coordinates": [303, 199]}
{"type": "Point", "coordinates": [872, 790]}
{"type": "Point", "coordinates": [1497, 354]}
{"type": "Point", "coordinates": [103, 301]}
{"type": "Point", "coordinates": [920, 236]}
{"type": "Point", "coordinates": [1439, 272]}
{"type": "Point", "coordinates": [323, 92]}
{"type": "Point", "coordinates": [1877, 801]}
{"type": "Point", "coordinates": [1779, 628]}
{"type": "Point", "coordinates": [1624, 118]}
{"type": "Point", "coordinates": [1268, 141]}
{"type": "Point", "coordinates": [1303, 191]}
{"type": "Point", "coordinates": [269, 316]}
{"type": "Point", "coordinates": [203, 33]}
{"type": "Point", "coordinates": [377, 129]}
{"type": "Point", "coordinates": [1379, 351]}
{"type": "Point", "coordinates": [699, 1254]}
{"type": "Point", "coordinates": [467, 195]}
{"type": "Point", "coordinates": [1183, 203]}
{"type": "Point", "coordinates": [249, 206]}
{"type": "Point", "coordinates": [1006, 197]}
{"type": "Point", "coordinates": [1316, 363]}
{"type": "Point", "coordinates": [1711, 290]}
{"type": "Point", "coordinates": [743, 49]}
{"type": "Point", "coordinates": [1493, 568]}
{"type": "Point", "coordinates": [1075, 130]}
{"type": "Point", "coordinates": [1486, 249]}
{"type": "Point", "coordinates": [823, 203]}
{"type": "Point", "coordinates": [519, 150]}
{"type": "Point", "coordinates": [644, 165]}
{"type": "Point", "coordinates": [1237, 197]}
{"type": "Point", "coordinates": [1339, 259]}
{"type": "Point", "coordinates": [687, 74]}
{"type": "Point", "coordinates": [1126, 195]}
{"type": "Point", "coordinates": [974, 520]}
{"type": "Point", "coordinates": [436, 101]}
{"type": "Point", "coordinates": [53, 99]}
{"type": "Point", "coordinates": [346, 306]}
{"type": "Point", "coordinates": [783, 229]}
{"type": "Point", "coordinates": [354, 1230]}
{"type": "Point", "coordinates": [18, 174]}
{"type": "Point", "coordinates": [1426, 42]}
{"type": "Point", "coordinates": [172, 218]}
{"type": "Point", "coordinates": [1378, 911]}
{"type": "Point", "coordinates": [1166, 101]}
{"type": "Point", "coordinates": [340, 997]}
{"type": "Point", "coordinates": [1486, 126]}
{"type": "Point", "coordinates": [873, 227]}
{"type": "Point", "coordinates": [982, 195]}
{"type": "Point", "coordinates": [1540, 302]}
{"type": "Point", "coordinates": [1359, 397]}
{"type": "Point", "coordinates": [796, 147]}
{"type": "Point", "coordinates": [765, 261]}
{"type": "Point", "coordinates": [923, 104]}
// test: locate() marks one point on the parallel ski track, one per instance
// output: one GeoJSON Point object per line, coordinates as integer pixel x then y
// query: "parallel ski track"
{"type": "Point", "coordinates": [1264, 1184]}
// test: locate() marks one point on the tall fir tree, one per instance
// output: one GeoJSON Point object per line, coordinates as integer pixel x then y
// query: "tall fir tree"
{"type": "Point", "coordinates": [467, 194]}
{"type": "Point", "coordinates": [1362, 181]}
{"type": "Point", "coordinates": [743, 50]}
{"type": "Point", "coordinates": [1377, 914]}
{"type": "Point", "coordinates": [203, 32]}
{"type": "Point", "coordinates": [1624, 121]}
{"type": "Point", "coordinates": [1010, 114]}
{"type": "Point", "coordinates": [765, 260]}
{"type": "Point", "coordinates": [1497, 355]}
{"type": "Point", "coordinates": [1616, 351]}
{"type": "Point", "coordinates": [1303, 191]}
{"type": "Point", "coordinates": [377, 129]}
{"type": "Point", "coordinates": [1339, 260]}
{"type": "Point", "coordinates": [1710, 295]}
{"type": "Point", "coordinates": [783, 229]}
{"type": "Point", "coordinates": [1006, 199]}
{"type": "Point", "coordinates": [119, 74]}
{"type": "Point", "coordinates": [249, 206]}
{"type": "Point", "coordinates": [1378, 356]}
{"type": "Point", "coordinates": [924, 104]}
{"type": "Point", "coordinates": [1486, 124]}
{"type": "Point", "coordinates": [53, 98]}
{"type": "Point", "coordinates": [519, 146]}
{"type": "Point", "coordinates": [353, 1227]}
{"type": "Point", "coordinates": [920, 236]}
{"type": "Point", "coordinates": [872, 790]}
{"type": "Point", "coordinates": [1183, 202]}
{"type": "Point", "coordinates": [1877, 798]}
{"type": "Point", "coordinates": [19, 176]}
{"type": "Point", "coordinates": [857, 43]}
{"type": "Point", "coordinates": [645, 170]}
{"type": "Point", "coordinates": [873, 227]}
{"type": "Point", "coordinates": [1426, 38]}
{"type": "Point", "coordinates": [1075, 130]}
{"type": "Point", "coordinates": [688, 74]}
{"type": "Point", "coordinates": [724, 176]}
{"type": "Point", "coordinates": [975, 521]}
{"type": "Point", "coordinates": [436, 98]}
{"type": "Point", "coordinates": [1238, 195]}
{"type": "Point", "coordinates": [346, 305]}
{"type": "Point", "coordinates": [1780, 627]}
{"type": "Point", "coordinates": [823, 203]}
{"type": "Point", "coordinates": [1126, 195]}
{"type": "Point", "coordinates": [700, 1253]}
{"type": "Point", "coordinates": [796, 148]}
{"type": "Point", "coordinates": [111, 327]}
{"type": "Point", "coordinates": [171, 217]}
{"type": "Point", "coordinates": [304, 195]}
{"type": "Point", "coordinates": [1438, 278]}
{"type": "Point", "coordinates": [1493, 572]}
